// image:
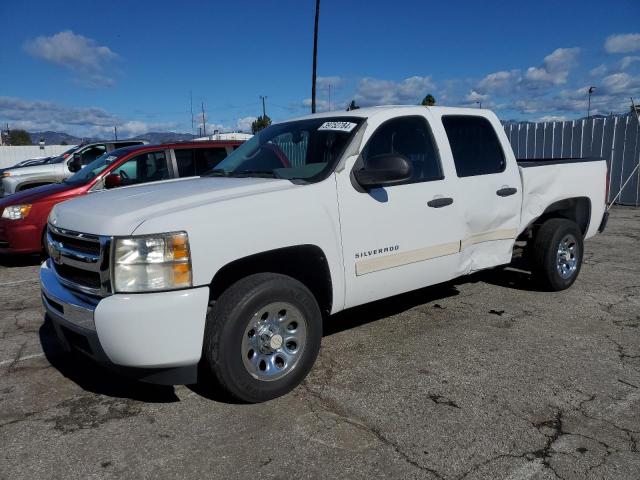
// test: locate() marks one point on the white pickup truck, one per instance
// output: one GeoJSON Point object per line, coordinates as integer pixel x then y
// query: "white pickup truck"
{"type": "Point", "coordinates": [232, 273]}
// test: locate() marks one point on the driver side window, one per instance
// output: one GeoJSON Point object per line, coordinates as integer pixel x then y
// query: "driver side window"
{"type": "Point", "coordinates": [410, 137]}
{"type": "Point", "coordinates": [144, 168]}
{"type": "Point", "coordinates": [90, 154]}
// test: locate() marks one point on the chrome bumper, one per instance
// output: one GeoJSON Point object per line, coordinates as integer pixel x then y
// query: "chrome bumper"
{"type": "Point", "coordinates": [63, 303]}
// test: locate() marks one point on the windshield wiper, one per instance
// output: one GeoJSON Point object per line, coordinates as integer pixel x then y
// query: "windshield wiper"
{"type": "Point", "coordinates": [217, 172]}
{"type": "Point", "coordinates": [255, 173]}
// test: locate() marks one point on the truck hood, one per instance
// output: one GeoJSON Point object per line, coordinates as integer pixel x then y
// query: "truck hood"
{"type": "Point", "coordinates": [120, 211]}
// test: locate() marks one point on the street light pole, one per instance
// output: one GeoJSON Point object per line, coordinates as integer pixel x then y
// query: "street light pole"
{"type": "Point", "coordinates": [479, 103]}
{"type": "Point", "coordinates": [590, 91]}
{"type": "Point", "coordinates": [315, 59]}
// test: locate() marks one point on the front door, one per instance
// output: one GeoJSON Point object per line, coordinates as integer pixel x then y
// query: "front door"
{"type": "Point", "coordinates": [402, 237]}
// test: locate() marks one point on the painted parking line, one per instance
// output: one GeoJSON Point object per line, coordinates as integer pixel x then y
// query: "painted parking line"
{"type": "Point", "coordinates": [27, 357]}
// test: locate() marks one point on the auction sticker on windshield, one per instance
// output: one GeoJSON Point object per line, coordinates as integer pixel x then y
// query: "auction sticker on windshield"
{"type": "Point", "coordinates": [337, 126]}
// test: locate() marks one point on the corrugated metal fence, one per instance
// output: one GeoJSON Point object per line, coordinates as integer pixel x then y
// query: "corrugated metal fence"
{"type": "Point", "coordinates": [615, 138]}
{"type": "Point", "coordinates": [10, 155]}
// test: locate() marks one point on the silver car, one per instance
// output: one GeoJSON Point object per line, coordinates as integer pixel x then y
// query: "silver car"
{"type": "Point", "coordinates": [58, 168]}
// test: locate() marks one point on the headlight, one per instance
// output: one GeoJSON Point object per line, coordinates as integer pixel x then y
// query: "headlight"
{"type": "Point", "coordinates": [5, 174]}
{"type": "Point", "coordinates": [152, 263]}
{"type": "Point", "coordinates": [16, 212]}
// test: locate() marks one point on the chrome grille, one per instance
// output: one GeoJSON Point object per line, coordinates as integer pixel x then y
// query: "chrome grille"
{"type": "Point", "coordinates": [81, 261]}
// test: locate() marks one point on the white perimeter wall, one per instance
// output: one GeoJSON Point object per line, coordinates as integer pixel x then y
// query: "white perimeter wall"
{"type": "Point", "coordinates": [12, 155]}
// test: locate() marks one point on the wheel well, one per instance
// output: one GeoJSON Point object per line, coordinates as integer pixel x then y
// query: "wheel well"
{"type": "Point", "coordinates": [305, 263]}
{"type": "Point", "coordinates": [577, 210]}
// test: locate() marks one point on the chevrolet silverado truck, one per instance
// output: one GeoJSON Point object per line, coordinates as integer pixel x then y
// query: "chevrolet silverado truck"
{"type": "Point", "coordinates": [23, 215]}
{"type": "Point", "coordinates": [58, 168]}
{"type": "Point", "coordinates": [228, 276]}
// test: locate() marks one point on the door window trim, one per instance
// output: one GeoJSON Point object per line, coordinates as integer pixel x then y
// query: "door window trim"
{"type": "Point", "coordinates": [359, 163]}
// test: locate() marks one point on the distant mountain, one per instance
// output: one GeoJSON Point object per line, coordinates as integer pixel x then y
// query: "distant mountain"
{"type": "Point", "coordinates": [57, 138]}
{"type": "Point", "coordinates": [54, 138]}
{"type": "Point", "coordinates": [162, 137]}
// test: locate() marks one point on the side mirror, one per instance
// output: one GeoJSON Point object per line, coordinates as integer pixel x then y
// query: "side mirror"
{"type": "Point", "coordinates": [112, 180]}
{"type": "Point", "coordinates": [384, 170]}
{"type": "Point", "coordinates": [75, 164]}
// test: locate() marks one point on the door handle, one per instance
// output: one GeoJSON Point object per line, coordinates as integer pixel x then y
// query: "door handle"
{"type": "Point", "coordinates": [506, 191]}
{"type": "Point", "coordinates": [440, 202]}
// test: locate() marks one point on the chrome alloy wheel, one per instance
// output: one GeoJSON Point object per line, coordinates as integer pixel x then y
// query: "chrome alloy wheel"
{"type": "Point", "coordinates": [567, 257]}
{"type": "Point", "coordinates": [273, 341]}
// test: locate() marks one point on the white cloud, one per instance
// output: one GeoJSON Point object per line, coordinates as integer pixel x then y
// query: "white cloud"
{"type": "Point", "coordinates": [599, 70]}
{"type": "Point", "coordinates": [373, 91]}
{"type": "Point", "coordinates": [620, 83]}
{"type": "Point", "coordinates": [555, 68]}
{"type": "Point", "coordinates": [626, 62]}
{"type": "Point", "coordinates": [474, 97]}
{"type": "Point", "coordinates": [323, 83]}
{"type": "Point", "coordinates": [551, 118]}
{"type": "Point", "coordinates": [321, 105]}
{"type": "Point", "coordinates": [40, 116]}
{"type": "Point", "coordinates": [623, 43]}
{"type": "Point", "coordinates": [499, 82]}
{"type": "Point", "coordinates": [244, 124]}
{"type": "Point", "coordinates": [78, 53]}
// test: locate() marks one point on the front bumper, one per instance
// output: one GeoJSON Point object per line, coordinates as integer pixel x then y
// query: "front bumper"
{"type": "Point", "coordinates": [153, 337]}
{"type": "Point", "coordinates": [20, 236]}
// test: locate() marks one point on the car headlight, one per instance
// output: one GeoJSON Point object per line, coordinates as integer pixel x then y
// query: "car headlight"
{"type": "Point", "coordinates": [152, 263]}
{"type": "Point", "coordinates": [5, 174]}
{"type": "Point", "coordinates": [16, 212]}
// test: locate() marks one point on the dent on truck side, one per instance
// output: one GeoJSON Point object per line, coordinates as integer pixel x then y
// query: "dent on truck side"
{"type": "Point", "coordinates": [575, 191]}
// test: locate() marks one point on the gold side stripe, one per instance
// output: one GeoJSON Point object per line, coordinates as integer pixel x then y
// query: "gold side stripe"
{"type": "Point", "coordinates": [405, 258]}
{"type": "Point", "coordinates": [504, 234]}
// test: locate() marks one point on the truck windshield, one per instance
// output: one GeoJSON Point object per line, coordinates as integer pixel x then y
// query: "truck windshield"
{"type": "Point", "coordinates": [95, 168]}
{"type": "Point", "coordinates": [303, 149]}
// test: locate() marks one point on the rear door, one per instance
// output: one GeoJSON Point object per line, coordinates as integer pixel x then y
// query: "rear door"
{"type": "Point", "coordinates": [198, 161]}
{"type": "Point", "coordinates": [488, 189]}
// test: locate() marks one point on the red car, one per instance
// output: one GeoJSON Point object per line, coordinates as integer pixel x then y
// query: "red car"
{"type": "Point", "coordinates": [23, 216]}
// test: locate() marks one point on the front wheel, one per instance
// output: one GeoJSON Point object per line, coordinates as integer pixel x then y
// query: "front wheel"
{"type": "Point", "coordinates": [557, 254]}
{"type": "Point", "coordinates": [262, 336]}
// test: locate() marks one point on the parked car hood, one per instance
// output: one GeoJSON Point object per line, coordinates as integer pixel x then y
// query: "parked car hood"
{"type": "Point", "coordinates": [33, 195]}
{"type": "Point", "coordinates": [44, 168]}
{"type": "Point", "coordinates": [121, 210]}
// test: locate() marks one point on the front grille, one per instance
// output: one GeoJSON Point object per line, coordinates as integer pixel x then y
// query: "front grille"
{"type": "Point", "coordinates": [79, 276]}
{"type": "Point", "coordinates": [81, 261]}
{"type": "Point", "coordinates": [81, 244]}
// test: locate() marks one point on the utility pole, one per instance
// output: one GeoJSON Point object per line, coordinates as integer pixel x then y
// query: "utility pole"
{"type": "Point", "coordinates": [264, 110]}
{"type": "Point", "coordinates": [115, 131]}
{"type": "Point", "coordinates": [193, 129]}
{"type": "Point", "coordinates": [315, 59]}
{"type": "Point", "coordinates": [590, 91]}
{"type": "Point", "coordinates": [330, 97]}
{"type": "Point", "coordinates": [204, 122]}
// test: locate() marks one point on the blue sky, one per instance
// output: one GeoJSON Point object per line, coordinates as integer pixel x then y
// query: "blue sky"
{"type": "Point", "coordinates": [83, 66]}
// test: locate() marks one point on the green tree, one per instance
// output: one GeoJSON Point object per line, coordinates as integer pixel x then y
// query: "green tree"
{"type": "Point", "coordinates": [352, 106]}
{"type": "Point", "coordinates": [19, 137]}
{"type": "Point", "coordinates": [429, 100]}
{"type": "Point", "coordinates": [260, 123]}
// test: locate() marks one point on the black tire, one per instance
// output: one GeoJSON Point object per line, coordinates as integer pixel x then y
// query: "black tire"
{"type": "Point", "coordinates": [545, 257]}
{"type": "Point", "coordinates": [227, 321]}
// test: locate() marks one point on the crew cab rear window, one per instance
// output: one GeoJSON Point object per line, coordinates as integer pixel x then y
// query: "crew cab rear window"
{"type": "Point", "coordinates": [474, 144]}
{"type": "Point", "coordinates": [198, 161]}
{"type": "Point", "coordinates": [410, 137]}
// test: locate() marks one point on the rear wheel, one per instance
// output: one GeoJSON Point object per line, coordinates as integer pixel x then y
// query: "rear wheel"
{"type": "Point", "coordinates": [556, 254]}
{"type": "Point", "coordinates": [262, 336]}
